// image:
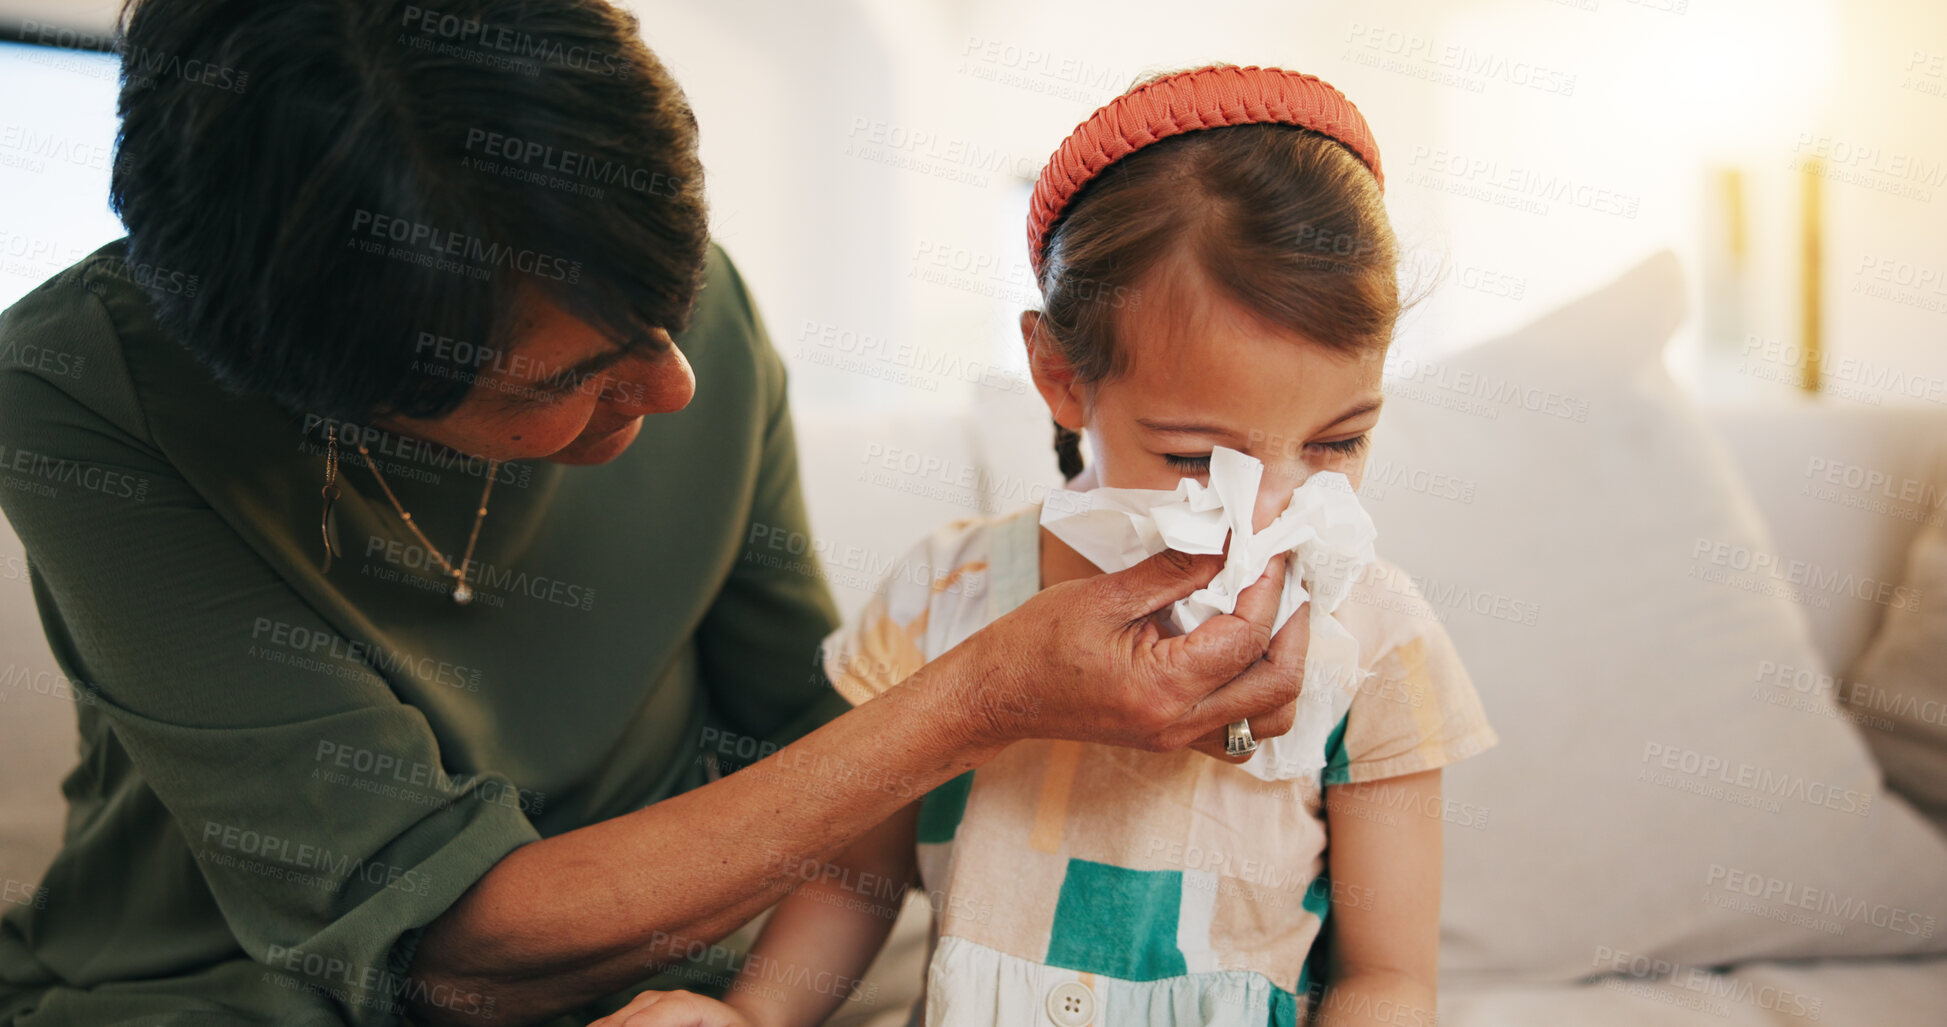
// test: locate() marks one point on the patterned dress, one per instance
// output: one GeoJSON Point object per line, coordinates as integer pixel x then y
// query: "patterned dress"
{"type": "Point", "coordinates": [1077, 884]}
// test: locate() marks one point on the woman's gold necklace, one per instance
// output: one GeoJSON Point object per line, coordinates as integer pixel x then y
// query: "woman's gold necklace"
{"type": "Point", "coordinates": [462, 592]}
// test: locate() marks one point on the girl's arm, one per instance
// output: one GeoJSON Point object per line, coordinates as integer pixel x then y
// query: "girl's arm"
{"type": "Point", "coordinates": [1384, 926]}
{"type": "Point", "coordinates": [820, 939]}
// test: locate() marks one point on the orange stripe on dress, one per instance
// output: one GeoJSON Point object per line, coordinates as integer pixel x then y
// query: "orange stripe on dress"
{"type": "Point", "coordinates": [1428, 716]}
{"type": "Point", "coordinates": [1057, 783]}
{"type": "Point", "coordinates": [882, 653]}
{"type": "Point", "coordinates": [945, 581]}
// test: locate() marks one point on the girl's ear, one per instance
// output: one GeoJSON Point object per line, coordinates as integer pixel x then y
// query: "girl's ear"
{"type": "Point", "coordinates": [1053, 376]}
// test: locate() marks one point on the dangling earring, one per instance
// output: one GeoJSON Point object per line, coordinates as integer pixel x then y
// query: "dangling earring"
{"type": "Point", "coordinates": [330, 494]}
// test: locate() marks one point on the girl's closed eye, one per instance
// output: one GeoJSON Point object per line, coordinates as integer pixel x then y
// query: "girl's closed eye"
{"type": "Point", "coordinates": [1200, 463]}
{"type": "Point", "coordinates": [1346, 447]}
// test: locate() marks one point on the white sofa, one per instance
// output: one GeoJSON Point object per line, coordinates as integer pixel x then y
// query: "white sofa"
{"type": "Point", "coordinates": [863, 519]}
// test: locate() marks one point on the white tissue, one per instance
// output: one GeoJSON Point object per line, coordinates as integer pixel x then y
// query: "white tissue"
{"type": "Point", "coordinates": [1323, 527]}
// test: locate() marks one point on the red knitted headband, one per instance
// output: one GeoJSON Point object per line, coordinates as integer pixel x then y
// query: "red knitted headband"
{"type": "Point", "coordinates": [1187, 102]}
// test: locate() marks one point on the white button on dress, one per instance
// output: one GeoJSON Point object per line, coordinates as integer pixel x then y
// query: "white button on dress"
{"type": "Point", "coordinates": [1071, 1005]}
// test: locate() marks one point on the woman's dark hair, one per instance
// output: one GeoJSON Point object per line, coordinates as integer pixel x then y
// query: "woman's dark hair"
{"type": "Point", "coordinates": [355, 188]}
{"type": "Point", "coordinates": [1287, 221]}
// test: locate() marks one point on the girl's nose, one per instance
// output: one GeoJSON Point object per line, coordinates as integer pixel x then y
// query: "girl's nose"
{"type": "Point", "coordinates": [1274, 492]}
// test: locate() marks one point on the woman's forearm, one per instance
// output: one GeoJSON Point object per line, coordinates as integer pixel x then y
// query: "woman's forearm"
{"type": "Point", "coordinates": [568, 919]}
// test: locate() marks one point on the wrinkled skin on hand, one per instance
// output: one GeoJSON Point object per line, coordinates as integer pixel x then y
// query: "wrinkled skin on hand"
{"type": "Point", "coordinates": [1090, 660]}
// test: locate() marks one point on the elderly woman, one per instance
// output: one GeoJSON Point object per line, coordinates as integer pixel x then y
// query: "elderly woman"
{"type": "Point", "coordinates": [412, 658]}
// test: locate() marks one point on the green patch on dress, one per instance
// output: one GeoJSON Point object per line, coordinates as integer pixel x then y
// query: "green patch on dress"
{"type": "Point", "coordinates": [1284, 1007]}
{"type": "Point", "coordinates": [940, 811]}
{"type": "Point", "coordinates": [1337, 770]}
{"type": "Point", "coordinates": [1118, 922]}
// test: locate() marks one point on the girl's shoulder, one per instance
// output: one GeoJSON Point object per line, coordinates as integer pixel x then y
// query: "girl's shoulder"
{"type": "Point", "coordinates": [1387, 608]}
{"type": "Point", "coordinates": [928, 600]}
{"type": "Point", "coordinates": [1419, 709]}
{"type": "Point", "coordinates": [945, 583]}
{"type": "Point", "coordinates": [946, 564]}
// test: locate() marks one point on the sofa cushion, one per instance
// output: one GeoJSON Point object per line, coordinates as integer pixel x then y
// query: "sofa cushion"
{"type": "Point", "coordinates": [1898, 689]}
{"type": "Point", "coordinates": [1660, 790]}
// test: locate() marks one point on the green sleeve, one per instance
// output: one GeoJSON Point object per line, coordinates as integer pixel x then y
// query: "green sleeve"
{"type": "Point", "coordinates": [759, 642]}
{"type": "Point", "coordinates": [265, 767]}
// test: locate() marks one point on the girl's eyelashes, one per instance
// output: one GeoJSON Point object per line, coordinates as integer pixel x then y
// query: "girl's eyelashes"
{"type": "Point", "coordinates": [1346, 447]}
{"type": "Point", "coordinates": [1200, 464]}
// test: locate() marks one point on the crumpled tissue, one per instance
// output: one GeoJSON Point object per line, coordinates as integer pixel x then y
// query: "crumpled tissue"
{"type": "Point", "coordinates": [1323, 527]}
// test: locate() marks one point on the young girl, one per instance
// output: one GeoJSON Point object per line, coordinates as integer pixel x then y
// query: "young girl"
{"type": "Point", "coordinates": [1217, 270]}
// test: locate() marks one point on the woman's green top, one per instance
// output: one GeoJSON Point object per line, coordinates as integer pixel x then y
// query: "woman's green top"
{"type": "Point", "coordinates": [284, 774]}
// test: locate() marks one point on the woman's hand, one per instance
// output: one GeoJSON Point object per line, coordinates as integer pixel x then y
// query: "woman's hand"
{"type": "Point", "coordinates": [673, 1009]}
{"type": "Point", "coordinates": [1087, 660]}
